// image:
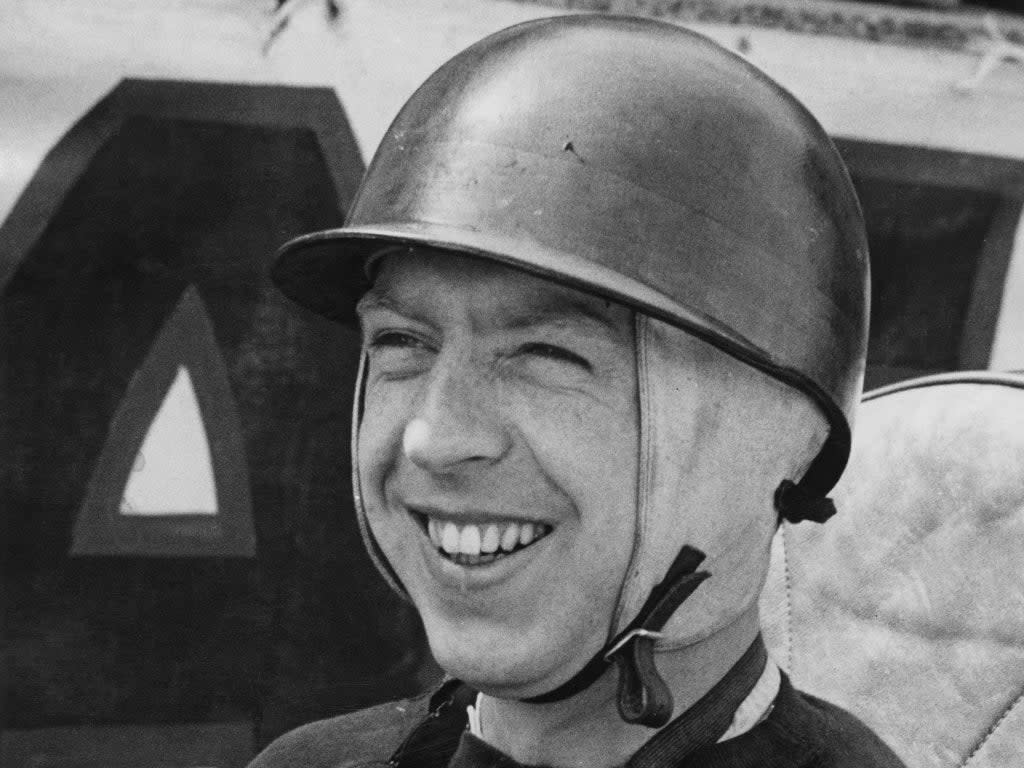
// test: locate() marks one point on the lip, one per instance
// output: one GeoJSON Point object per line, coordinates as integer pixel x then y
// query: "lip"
{"type": "Point", "coordinates": [462, 578]}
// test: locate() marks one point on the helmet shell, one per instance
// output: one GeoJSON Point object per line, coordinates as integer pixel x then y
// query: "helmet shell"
{"type": "Point", "coordinates": [637, 160]}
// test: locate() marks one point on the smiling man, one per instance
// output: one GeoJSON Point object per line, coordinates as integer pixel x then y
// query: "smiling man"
{"type": "Point", "coordinates": [612, 286]}
{"type": "Point", "coordinates": [498, 448]}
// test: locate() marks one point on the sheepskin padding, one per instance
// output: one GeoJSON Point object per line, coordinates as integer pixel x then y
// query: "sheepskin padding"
{"type": "Point", "coordinates": [907, 608]}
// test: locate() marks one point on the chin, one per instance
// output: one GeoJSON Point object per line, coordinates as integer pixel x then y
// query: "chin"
{"type": "Point", "coordinates": [507, 669]}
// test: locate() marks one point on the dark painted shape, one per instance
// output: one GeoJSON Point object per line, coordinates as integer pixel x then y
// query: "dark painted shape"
{"type": "Point", "coordinates": [941, 226]}
{"type": "Point", "coordinates": [162, 186]}
{"type": "Point", "coordinates": [101, 529]}
{"type": "Point", "coordinates": [926, 246]}
{"type": "Point", "coordinates": [1003, 176]}
{"type": "Point", "coordinates": [230, 103]}
{"type": "Point", "coordinates": [987, 289]}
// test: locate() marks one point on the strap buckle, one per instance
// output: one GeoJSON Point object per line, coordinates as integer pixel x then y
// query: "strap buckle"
{"type": "Point", "coordinates": [628, 637]}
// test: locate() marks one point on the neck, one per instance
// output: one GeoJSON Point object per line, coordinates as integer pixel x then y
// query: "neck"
{"type": "Point", "coordinates": [586, 730]}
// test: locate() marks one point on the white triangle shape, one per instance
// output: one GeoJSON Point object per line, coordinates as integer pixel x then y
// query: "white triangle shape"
{"type": "Point", "coordinates": [173, 471]}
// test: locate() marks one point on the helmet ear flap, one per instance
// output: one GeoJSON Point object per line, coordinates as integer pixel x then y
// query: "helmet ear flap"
{"type": "Point", "coordinates": [372, 547]}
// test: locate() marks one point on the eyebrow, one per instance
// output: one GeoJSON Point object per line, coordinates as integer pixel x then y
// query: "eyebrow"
{"type": "Point", "coordinates": [566, 311]}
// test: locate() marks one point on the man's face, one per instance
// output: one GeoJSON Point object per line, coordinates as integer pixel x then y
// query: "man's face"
{"type": "Point", "coordinates": [498, 454]}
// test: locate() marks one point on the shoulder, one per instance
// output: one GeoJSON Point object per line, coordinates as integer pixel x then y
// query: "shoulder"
{"type": "Point", "coordinates": [837, 738]}
{"type": "Point", "coordinates": [365, 737]}
{"type": "Point", "coordinates": [849, 742]}
{"type": "Point", "coordinates": [803, 731]}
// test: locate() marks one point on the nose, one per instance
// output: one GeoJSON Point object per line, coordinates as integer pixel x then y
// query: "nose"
{"type": "Point", "coordinates": [458, 425]}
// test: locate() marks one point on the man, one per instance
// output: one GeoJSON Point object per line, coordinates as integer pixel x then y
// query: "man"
{"type": "Point", "coordinates": [612, 284]}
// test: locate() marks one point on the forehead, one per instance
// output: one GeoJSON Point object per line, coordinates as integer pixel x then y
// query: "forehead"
{"type": "Point", "coordinates": [440, 284]}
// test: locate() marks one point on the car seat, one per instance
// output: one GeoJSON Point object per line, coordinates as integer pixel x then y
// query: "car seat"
{"type": "Point", "coordinates": [907, 607]}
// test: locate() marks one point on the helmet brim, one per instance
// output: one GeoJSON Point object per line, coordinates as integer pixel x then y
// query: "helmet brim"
{"type": "Point", "coordinates": [324, 272]}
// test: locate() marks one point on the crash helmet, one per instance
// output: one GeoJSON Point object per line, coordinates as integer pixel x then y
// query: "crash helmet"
{"type": "Point", "coordinates": [641, 162]}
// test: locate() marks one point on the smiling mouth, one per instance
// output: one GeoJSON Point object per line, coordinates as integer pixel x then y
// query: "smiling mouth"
{"type": "Point", "coordinates": [480, 543]}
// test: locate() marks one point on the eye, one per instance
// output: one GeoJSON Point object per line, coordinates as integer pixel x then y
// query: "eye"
{"type": "Point", "coordinates": [552, 352]}
{"type": "Point", "coordinates": [396, 354]}
{"type": "Point", "coordinates": [394, 340]}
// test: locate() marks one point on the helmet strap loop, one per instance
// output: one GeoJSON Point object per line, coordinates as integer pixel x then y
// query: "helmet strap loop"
{"type": "Point", "coordinates": [643, 696]}
{"type": "Point", "coordinates": [795, 503]}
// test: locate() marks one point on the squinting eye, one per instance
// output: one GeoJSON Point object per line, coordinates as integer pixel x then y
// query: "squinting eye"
{"type": "Point", "coordinates": [397, 355]}
{"type": "Point", "coordinates": [552, 352]}
{"type": "Point", "coordinates": [394, 339]}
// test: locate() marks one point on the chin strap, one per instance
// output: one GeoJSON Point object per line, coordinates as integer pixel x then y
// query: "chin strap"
{"type": "Point", "coordinates": [644, 698]}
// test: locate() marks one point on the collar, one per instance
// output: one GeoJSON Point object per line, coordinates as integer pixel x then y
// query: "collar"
{"type": "Point", "coordinates": [752, 710]}
{"type": "Point", "coordinates": [442, 740]}
{"type": "Point", "coordinates": [709, 720]}
{"type": "Point", "coordinates": [758, 704]}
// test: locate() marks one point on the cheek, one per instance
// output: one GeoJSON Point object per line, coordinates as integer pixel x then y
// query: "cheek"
{"type": "Point", "coordinates": [591, 452]}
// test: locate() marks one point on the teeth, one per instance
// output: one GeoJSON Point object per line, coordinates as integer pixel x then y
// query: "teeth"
{"type": "Point", "coordinates": [526, 534]}
{"type": "Point", "coordinates": [491, 539]}
{"type": "Point", "coordinates": [472, 541]}
{"type": "Point", "coordinates": [469, 540]}
{"type": "Point", "coordinates": [434, 531]}
{"type": "Point", "coordinates": [450, 538]}
{"type": "Point", "coordinates": [510, 538]}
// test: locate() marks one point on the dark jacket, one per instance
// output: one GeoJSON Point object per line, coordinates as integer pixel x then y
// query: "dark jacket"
{"type": "Point", "coordinates": [801, 731]}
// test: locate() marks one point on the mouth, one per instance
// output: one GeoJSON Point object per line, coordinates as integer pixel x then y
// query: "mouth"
{"type": "Point", "coordinates": [476, 544]}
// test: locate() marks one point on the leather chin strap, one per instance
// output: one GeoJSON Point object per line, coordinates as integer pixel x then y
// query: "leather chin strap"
{"type": "Point", "coordinates": [643, 696]}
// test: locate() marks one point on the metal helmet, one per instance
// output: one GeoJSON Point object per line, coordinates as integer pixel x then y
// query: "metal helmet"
{"type": "Point", "coordinates": [636, 160]}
